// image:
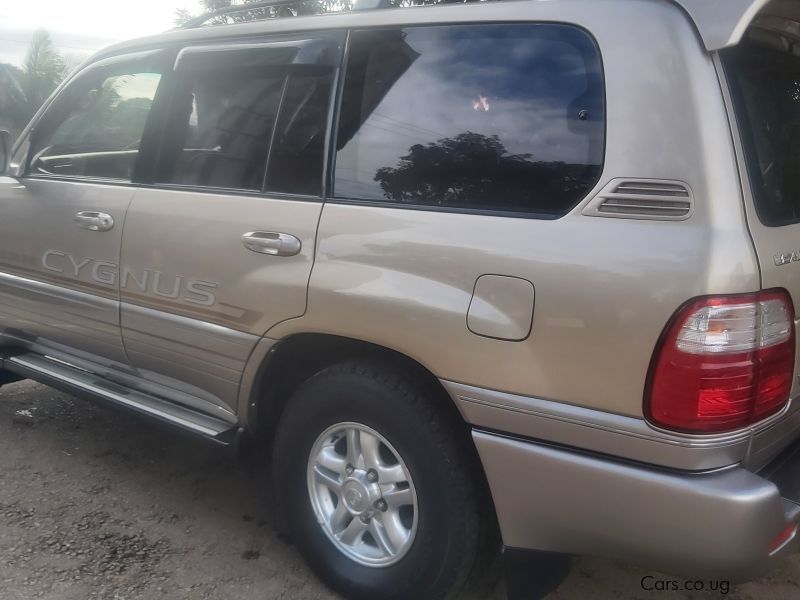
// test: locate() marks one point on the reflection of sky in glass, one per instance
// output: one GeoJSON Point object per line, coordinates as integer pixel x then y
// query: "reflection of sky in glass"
{"type": "Point", "coordinates": [139, 85]}
{"type": "Point", "coordinates": [534, 79]}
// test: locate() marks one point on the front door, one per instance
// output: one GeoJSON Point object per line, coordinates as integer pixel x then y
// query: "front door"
{"type": "Point", "coordinates": [61, 222]}
{"type": "Point", "coordinates": [219, 246]}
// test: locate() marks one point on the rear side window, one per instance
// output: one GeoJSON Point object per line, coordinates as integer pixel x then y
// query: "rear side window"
{"type": "Point", "coordinates": [764, 75]}
{"type": "Point", "coordinates": [486, 117]}
{"type": "Point", "coordinates": [227, 118]}
{"type": "Point", "coordinates": [298, 148]}
{"type": "Point", "coordinates": [251, 121]}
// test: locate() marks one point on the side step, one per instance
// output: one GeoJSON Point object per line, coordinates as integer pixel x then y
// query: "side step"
{"type": "Point", "coordinates": [79, 382]}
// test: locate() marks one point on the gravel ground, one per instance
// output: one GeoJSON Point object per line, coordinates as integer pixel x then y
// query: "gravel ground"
{"type": "Point", "coordinates": [97, 506]}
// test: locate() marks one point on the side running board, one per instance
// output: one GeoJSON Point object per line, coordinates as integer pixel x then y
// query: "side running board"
{"type": "Point", "coordinates": [79, 382]}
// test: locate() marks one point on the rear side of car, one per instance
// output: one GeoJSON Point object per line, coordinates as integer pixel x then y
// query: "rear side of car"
{"type": "Point", "coordinates": [517, 266]}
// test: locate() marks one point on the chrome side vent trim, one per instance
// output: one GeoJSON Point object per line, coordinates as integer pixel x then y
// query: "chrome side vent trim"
{"type": "Point", "coordinates": [650, 199]}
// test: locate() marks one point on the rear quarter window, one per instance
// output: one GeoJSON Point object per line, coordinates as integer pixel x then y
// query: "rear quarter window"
{"type": "Point", "coordinates": [763, 72]}
{"type": "Point", "coordinates": [501, 118]}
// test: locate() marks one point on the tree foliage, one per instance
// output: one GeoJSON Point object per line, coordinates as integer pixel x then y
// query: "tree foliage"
{"type": "Point", "coordinates": [23, 91]}
{"type": "Point", "coordinates": [13, 105]}
{"type": "Point", "coordinates": [300, 7]}
{"type": "Point", "coordinates": [109, 118]}
{"type": "Point", "coordinates": [43, 67]}
{"type": "Point", "coordinates": [472, 169]}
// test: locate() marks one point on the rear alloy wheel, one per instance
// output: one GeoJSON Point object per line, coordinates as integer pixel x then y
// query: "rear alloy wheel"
{"type": "Point", "coordinates": [362, 494]}
{"type": "Point", "coordinates": [374, 481]}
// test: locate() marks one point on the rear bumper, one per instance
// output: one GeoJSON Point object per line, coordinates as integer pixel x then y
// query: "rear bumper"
{"type": "Point", "coordinates": [716, 524]}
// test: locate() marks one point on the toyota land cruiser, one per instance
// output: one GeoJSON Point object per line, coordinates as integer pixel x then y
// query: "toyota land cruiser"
{"type": "Point", "coordinates": [530, 267]}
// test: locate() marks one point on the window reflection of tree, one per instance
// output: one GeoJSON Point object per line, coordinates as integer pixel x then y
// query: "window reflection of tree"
{"type": "Point", "coordinates": [104, 121]}
{"type": "Point", "coordinates": [475, 170]}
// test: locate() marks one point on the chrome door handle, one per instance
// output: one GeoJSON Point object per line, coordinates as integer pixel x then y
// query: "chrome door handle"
{"type": "Point", "coordinates": [272, 243]}
{"type": "Point", "coordinates": [94, 221]}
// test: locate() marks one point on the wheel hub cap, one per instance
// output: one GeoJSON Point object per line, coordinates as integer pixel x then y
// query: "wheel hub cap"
{"type": "Point", "coordinates": [357, 496]}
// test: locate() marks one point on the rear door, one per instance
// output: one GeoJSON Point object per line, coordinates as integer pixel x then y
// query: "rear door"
{"type": "Point", "coordinates": [61, 222]}
{"type": "Point", "coordinates": [219, 246]}
{"type": "Point", "coordinates": [763, 75]}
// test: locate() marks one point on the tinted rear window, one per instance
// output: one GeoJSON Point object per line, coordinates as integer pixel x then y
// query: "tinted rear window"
{"type": "Point", "coordinates": [227, 118]}
{"type": "Point", "coordinates": [764, 75]}
{"type": "Point", "coordinates": [298, 147]}
{"type": "Point", "coordinates": [489, 117]}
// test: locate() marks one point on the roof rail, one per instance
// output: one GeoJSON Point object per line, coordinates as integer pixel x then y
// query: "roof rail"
{"type": "Point", "coordinates": [238, 8]}
{"type": "Point", "coordinates": [344, 6]}
{"type": "Point", "coordinates": [720, 23]}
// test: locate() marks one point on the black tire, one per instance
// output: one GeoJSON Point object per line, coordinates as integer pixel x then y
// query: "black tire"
{"type": "Point", "coordinates": [6, 377]}
{"type": "Point", "coordinates": [446, 544]}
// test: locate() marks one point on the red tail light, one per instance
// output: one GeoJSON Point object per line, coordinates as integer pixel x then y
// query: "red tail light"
{"type": "Point", "coordinates": [783, 538]}
{"type": "Point", "coordinates": [723, 362]}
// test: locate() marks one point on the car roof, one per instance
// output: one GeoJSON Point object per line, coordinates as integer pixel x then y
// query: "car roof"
{"type": "Point", "coordinates": [720, 23]}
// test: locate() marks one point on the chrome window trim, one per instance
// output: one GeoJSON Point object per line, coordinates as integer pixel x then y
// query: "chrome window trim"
{"type": "Point", "coordinates": [177, 187]}
{"type": "Point", "coordinates": [455, 210]}
{"type": "Point", "coordinates": [79, 179]}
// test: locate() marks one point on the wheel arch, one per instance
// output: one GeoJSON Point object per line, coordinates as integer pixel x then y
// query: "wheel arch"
{"type": "Point", "coordinates": [295, 358]}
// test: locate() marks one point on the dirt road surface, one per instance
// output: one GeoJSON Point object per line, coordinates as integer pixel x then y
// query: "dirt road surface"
{"type": "Point", "coordinates": [95, 505]}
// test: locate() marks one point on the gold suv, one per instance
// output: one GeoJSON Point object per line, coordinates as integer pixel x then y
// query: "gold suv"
{"type": "Point", "coordinates": [519, 271]}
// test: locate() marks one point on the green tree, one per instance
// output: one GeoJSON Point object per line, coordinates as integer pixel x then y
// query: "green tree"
{"type": "Point", "coordinates": [472, 169]}
{"type": "Point", "coordinates": [13, 105]}
{"type": "Point", "coordinates": [300, 7]}
{"type": "Point", "coordinates": [43, 70]}
{"type": "Point", "coordinates": [23, 91]}
{"type": "Point", "coordinates": [296, 8]}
